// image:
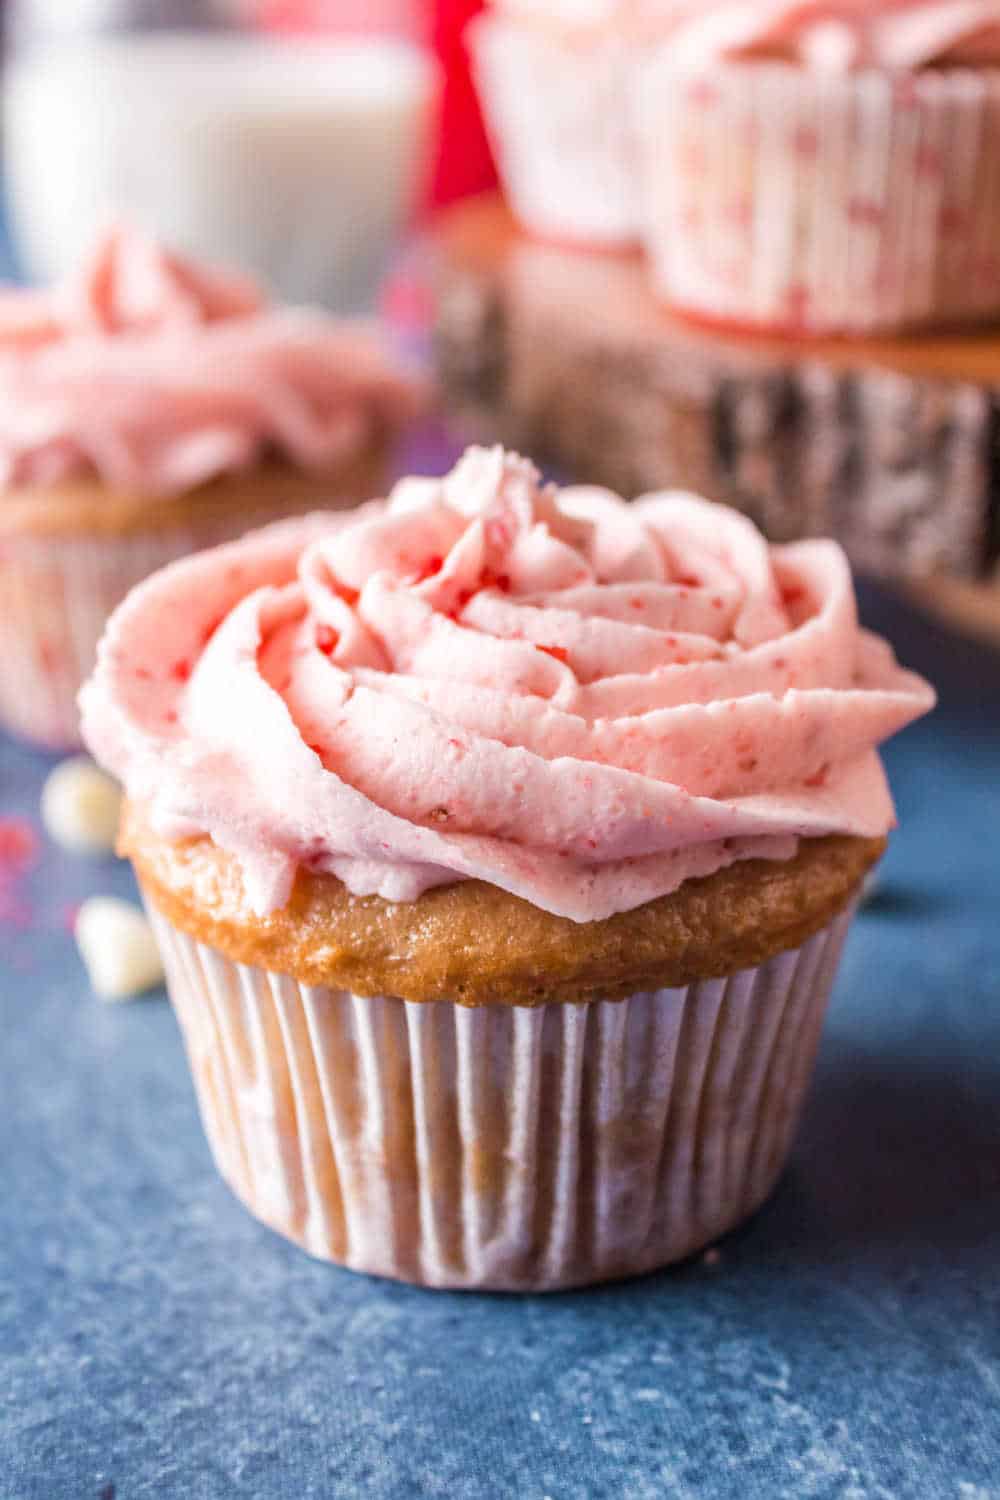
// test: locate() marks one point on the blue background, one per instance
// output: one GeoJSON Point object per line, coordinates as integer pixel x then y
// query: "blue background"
{"type": "Point", "coordinates": [155, 1341]}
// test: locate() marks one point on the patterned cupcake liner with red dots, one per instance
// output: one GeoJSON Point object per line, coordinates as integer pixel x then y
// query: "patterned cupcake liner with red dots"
{"type": "Point", "coordinates": [507, 1147]}
{"type": "Point", "coordinates": [561, 118]}
{"type": "Point", "coordinates": [56, 593]}
{"type": "Point", "coordinates": [810, 203]}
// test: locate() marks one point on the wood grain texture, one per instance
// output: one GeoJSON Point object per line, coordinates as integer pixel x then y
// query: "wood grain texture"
{"type": "Point", "coordinates": [891, 445]}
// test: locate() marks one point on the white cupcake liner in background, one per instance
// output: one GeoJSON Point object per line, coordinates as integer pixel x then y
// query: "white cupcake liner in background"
{"type": "Point", "coordinates": [56, 593]}
{"type": "Point", "coordinates": [504, 1147]}
{"type": "Point", "coordinates": [816, 203]}
{"type": "Point", "coordinates": [560, 113]}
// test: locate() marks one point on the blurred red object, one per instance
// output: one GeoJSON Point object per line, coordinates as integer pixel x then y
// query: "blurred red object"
{"type": "Point", "coordinates": [463, 162]}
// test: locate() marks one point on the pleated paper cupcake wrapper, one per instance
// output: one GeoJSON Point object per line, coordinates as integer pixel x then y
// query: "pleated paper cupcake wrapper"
{"type": "Point", "coordinates": [503, 1147]}
{"type": "Point", "coordinates": [561, 119]}
{"type": "Point", "coordinates": [55, 597]}
{"type": "Point", "coordinates": [789, 199]}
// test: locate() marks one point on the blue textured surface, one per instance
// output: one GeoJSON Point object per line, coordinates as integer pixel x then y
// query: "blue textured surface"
{"type": "Point", "coordinates": [155, 1341]}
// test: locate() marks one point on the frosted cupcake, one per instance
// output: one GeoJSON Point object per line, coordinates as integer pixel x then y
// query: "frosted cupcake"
{"type": "Point", "coordinates": [501, 844]}
{"type": "Point", "coordinates": [151, 408]}
{"type": "Point", "coordinates": [827, 166]}
{"type": "Point", "coordinates": [558, 80]}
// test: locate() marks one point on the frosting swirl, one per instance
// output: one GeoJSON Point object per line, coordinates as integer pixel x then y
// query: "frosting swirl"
{"type": "Point", "coordinates": [157, 375]}
{"type": "Point", "coordinates": [580, 701]}
{"type": "Point", "coordinates": [840, 35]}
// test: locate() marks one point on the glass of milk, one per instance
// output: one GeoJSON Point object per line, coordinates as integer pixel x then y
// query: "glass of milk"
{"type": "Point", "coordinates": [299, 159]}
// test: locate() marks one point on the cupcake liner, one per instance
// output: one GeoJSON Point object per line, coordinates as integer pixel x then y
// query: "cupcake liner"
{"type": "Point", "coordinates": [505, 1147]}
{"type": "Point", "coordinates": [56, 593]}
{"type": "Point", "coordinates": [810, 203]}
{"type": "Point", "coordinates": [560, 114]}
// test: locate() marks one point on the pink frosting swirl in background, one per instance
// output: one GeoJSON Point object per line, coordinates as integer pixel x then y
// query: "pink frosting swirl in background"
{"type": "Point", "coordinates": [582, 702]}
{"type": "Point", "coordinates": [840, 35]}
{"type": "Point", "coordinates": [831, 34]}
{"type": "Point", "coordinates": [157, 375]}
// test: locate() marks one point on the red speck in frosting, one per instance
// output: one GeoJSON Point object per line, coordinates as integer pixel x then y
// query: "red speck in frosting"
{"type": "Point", "coordinates": [779, 664]}
{"type": "Point", "coordinates": [171, 716]}
{"type": "Point", "coordinates": [792, 595]}
{"type": "Point", "coordinates": [461, 600]}
{"type": "Point", "coordinates": [637, 603]}
{"type": "Point", "coordinates": [717, 602]}
{"type": "Point", "coordinates": [748, 765]}
{"type": "Point", "coordinates": [143, 673]}
{"type": "Point", "coordinates": [327, 639]}
{"type": "Point", "coordinates": [180, 671]}
{"type": "Point", "coordinates": [210, 629]}
{"type": "Point", "coordinates": [559, 652]}
{"type": "Point", "coordinates": [687, 581]}
{"type": "Point", "coordinates": [491, 580]}
{"type": "Point", "coordinates": [428, 569]}
{"type": "Point", "coordinates": [820, 777]}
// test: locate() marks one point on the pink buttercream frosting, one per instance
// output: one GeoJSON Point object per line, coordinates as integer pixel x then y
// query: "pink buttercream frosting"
{"type": "Point", "coordinates": [580, 701]}
{"type": "Point", "coordinates": [157, 375]}
{"type": "Point", "coordinates": [840, 35]}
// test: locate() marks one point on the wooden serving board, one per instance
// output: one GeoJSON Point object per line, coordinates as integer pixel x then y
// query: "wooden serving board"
{"type": "Point", "coordinates": [891, 445]}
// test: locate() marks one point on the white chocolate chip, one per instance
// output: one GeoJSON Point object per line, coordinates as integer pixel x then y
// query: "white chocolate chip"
{"type": "Point", "coordinates": [80, 807]}
{"type": "Point", "coordinates": [118, 948]}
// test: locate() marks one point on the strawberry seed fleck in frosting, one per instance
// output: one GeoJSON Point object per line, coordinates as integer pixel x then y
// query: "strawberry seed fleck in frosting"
{"type": "Point", "coordinates": [652, 693]}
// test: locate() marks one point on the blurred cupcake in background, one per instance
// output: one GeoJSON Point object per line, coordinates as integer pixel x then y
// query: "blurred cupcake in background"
{"type": "Point", "coordinates": [558, 81]}
{"type": "Point", "coordinates": [827, 166]}
{"type": "Point", "coordinates": [148, 408]}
